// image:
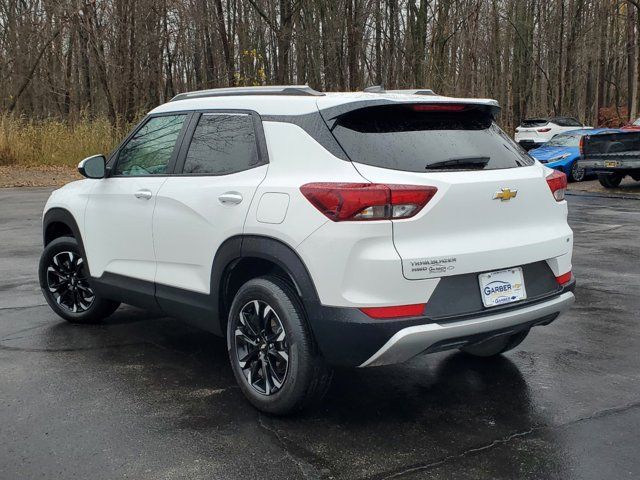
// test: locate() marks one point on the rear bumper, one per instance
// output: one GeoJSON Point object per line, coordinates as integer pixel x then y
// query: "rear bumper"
{"type": "Point", "coordinates": [411, 341]}
{"type": "Point", "coordinates": [611, 166]}
{"type": "Point", "coordinates": [347, 337]}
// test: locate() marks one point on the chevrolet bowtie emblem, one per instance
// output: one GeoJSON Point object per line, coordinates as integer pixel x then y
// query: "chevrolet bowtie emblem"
{"type": "Point", "coordinates": [505, 194]}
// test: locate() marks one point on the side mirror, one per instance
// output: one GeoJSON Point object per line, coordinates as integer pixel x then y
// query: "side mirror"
{"type": "Point", "coordinates": [93, 167]}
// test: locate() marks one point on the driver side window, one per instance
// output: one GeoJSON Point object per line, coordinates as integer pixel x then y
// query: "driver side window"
{"type": "Point", "coordinates": [149, 151]}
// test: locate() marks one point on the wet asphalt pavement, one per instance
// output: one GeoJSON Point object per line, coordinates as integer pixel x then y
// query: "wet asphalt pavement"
{"type": "Point", "coordinates": [150, 398]}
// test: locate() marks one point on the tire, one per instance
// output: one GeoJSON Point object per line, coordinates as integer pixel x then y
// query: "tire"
{"type": "Point", "coordinates": [496, 346]}
{"type": "Point", "coordinates": [611, 180]}
{"type": "Point", "coordinates": [576, 174]}
{"type": "Point", "coordinates": [66, 287]}
{"type": "Point", "coordinates": [279, 347]}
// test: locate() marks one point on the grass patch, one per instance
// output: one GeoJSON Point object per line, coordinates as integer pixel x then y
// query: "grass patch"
{"type": "Point", "coordinates": [27, 142]}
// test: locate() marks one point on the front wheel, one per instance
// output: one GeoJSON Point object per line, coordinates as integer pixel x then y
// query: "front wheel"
{"type": "Point", "coordinates": [611, 180]}
{"type": "Point", "coordinates": [576, 173]}
{"type": "Point", "coordinates": [496, 346]}
{"type": "Point", "coordinates": [65, 284]}
{"type": "Point", "coordinates": [271, 348]}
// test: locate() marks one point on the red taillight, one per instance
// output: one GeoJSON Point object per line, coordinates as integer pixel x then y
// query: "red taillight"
{"type": "Point", "coordinates": [367, 201]}
{"type": "Point", "coordinates": [543, 130]}
{"type": "Point", "coordinates": [565, 278]}
{"type": "Point", "coordinates": [394, 312]}
{"type": "Point", "coordinates": [557, 182]}
{"type": "Point", "coordinates": [439, 107]}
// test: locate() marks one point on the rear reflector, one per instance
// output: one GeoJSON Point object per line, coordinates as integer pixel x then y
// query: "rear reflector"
{"type": "Point", "coordinates": [565, 278]}
{"type": "Point", "coordinates": [557, 182]}
{"type": "Point", "coordinates": [394, 312]}
{"type": "Point", "coordinates": [367, 201]}
{"type": "Point", "coordinates": [544, 130]}
{"type": "Point", "coordinates": [439, 107]}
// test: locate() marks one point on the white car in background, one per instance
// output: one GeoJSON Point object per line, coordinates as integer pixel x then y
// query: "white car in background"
{"type": "Point", "coordinates": [534, 132]}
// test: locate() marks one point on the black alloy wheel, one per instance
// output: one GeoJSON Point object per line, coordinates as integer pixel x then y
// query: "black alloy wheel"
{"type": "Point", "coordinates": [261, 347]}
{"type": "Point", "coordinates": [274, 358]}
{"type": "Point", "coordinates": [67, 282]}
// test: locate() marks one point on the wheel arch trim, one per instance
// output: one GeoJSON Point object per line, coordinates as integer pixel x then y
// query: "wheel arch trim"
{"type": "Point", "coordinates": [61, 215]}
{"type": "Point", "coordinates": [283, 255]}
{"type": "Point", "coordinates": [277, 252]}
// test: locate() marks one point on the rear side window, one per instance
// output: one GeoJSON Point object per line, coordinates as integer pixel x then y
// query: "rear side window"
{"type": "Point", "coordinates": [412, 139]}
{"type": "Point", "coordinates": [222, 143]}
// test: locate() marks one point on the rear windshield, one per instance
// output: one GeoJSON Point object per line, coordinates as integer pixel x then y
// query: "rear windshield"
{"type": "Point", "coordinates": [404, 137]}
{"type": "Point", "coordinates": [534, 122]}
{"type": "Point", "coordinates": [566, 122]}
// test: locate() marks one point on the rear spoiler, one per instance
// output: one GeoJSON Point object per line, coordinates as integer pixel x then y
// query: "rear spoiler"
{"type": "Point", "coordinates": [331, 114]}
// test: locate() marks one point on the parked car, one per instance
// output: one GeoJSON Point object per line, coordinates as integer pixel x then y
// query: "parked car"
{"type": "Point", "coordinates": [534, 132]}
{"type": "Point", "coordinates": [563, 151]}
{"type": "Point", "coordinates": [612, 156]}
{"type": "Point", "coordinates": [635, 125]}
{"type": "Point", "coordinates": [314, 230]}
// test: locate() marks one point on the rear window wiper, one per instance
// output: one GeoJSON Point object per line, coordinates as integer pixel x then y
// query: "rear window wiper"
{"type": "Point", "coordinates": [461, 163]}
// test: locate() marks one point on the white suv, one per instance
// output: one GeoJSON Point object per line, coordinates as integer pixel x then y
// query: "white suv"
{"type": "Point", "coordinates": [315, 230]}
{"type": "Point", "coordinates": [535, 132]}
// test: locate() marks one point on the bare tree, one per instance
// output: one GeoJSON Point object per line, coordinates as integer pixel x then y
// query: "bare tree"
{"type": "Point", "coordinates": [120, 57]}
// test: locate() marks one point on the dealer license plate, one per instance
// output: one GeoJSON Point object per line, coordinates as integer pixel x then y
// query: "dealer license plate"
{"type": "Point", "coordinates": [504, 286]}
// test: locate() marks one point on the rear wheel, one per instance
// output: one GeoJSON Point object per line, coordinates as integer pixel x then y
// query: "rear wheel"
{"type": "Point", "coordinates": [496, 346]}
{"type": "Point", "coordinates": [271, 349]}
{"type": "Point", "coordinates": [65, 284]}
{"type": "Point", "coordinates": [576, 173]}
{"type": "Point", "coordinates": [611, 180]}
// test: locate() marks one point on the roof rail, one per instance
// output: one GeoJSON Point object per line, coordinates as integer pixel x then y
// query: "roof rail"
{"type": "Point", "coordinates": [290, 90]}
{"type": "Point", "coordinates": [375, 89]}
{"type": "Point", "coordinates": [420, 91]}
{"type": "Point", "coordinates": [380, 89]}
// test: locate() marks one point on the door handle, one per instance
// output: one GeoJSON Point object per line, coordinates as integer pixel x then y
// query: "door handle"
{"type": "Point", "coordinates": [144, 193]}
{"type": "Point", "coordinates": [230, 198]}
